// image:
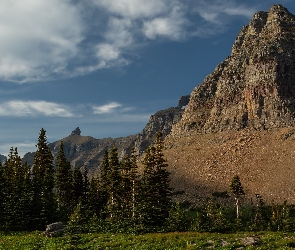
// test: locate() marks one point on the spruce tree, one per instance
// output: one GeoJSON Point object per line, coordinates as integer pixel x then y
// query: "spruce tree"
{"type": "Point", "coordinates": [43, 184]}
{"type": "Point", "coordinates": [155, 189]}
{"type": "Point", "coordinates": [148, 202]}
{"type": "Point", "coordinates": [237, 190]}
{"type": "Point", "coordinates": [64, 185]}
{"type": "Point", "coordinates": [114, 186]}
{"type": "Point", "coordinates": [17, 195]}
{"type": "Point", "coordinates": [130, 188]}
{"type": "Point", "coordinates": [162, 181]}
{"type": "Point", "coordinates": [78, 186]}
{"type": "Point", "coordinates": [94, 197]}
{"type": "Point", "coordinates": [104, 181]}
{"type": "Point", "coordinates": [2, 196]}
{"type": "Point", "coordinates": [86, 184]}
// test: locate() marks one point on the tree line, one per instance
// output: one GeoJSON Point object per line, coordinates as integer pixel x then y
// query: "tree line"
{"type": "Point", "coordinates": [121, 198]}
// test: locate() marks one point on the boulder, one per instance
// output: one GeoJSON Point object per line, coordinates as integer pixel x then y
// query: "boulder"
{"type": "Point", "coordinates": [55, 229]}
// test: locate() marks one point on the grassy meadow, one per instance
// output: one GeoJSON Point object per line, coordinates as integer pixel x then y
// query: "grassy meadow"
{"type": "Point", "coordinates": [157, 241]}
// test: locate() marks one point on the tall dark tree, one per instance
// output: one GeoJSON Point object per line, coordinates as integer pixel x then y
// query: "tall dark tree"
{"type": "Point", "coordinates": [155, 192]}
{"type": "Point", "coordinates": [43, 183]}
{"type": "Point", "coordinates": [86, 184]}
{"type": "Point", "coordinates": [129, 185]}
{"type": "Point", "coordinates": [2, 195]}
{"type": "Point", "coordinates": [104, 179]}
{"type": "Point", "coordinates": [162, 181]}
{"type": "Point", "coordinates": [238, 191]}
{"type": "Point", "coordinates": [94, 197]}
{"type": "Point", "coordinates": [64, 185]}
{"type": "Point", "coordinates": [17, 196]}
{"type": "Point", "coordinates": [78, 186]}
{"type": "Point", "coordinates": [114, 188]}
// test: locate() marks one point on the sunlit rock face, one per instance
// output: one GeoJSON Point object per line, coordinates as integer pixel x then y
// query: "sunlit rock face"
{"type": "Point", "coordinates": [255, 86]}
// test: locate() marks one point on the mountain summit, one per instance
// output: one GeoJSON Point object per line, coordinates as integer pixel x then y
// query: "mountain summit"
{"type": "Point", "coordinates": [255, 86]}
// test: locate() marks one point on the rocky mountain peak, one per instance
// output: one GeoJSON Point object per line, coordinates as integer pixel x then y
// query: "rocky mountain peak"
{"type": "Point", "coordinates": [255, 86]}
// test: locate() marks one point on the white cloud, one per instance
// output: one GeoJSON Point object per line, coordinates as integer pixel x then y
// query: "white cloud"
{"type": "Point", "coordinates": [37, 38]}
{"type": "Point", "coordinates": [172, 26]}
{"type": "Point", "coordinates": [43, 39]}
{"type": "Point", "coordinates": [106, 109]}
{"type": "Point", "coordinates": [107, 52]}
{"type": "Point", "coordinates": [34, 108]}
{"type": "Point", "coordinates": [134, 9]}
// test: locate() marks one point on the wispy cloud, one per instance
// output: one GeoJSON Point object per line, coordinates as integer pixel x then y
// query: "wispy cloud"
{"type": "Point", "coordinates": [20, 108]}
{"type": "Point", "coordinates": [43, 39]}
{"type": "Point", "coordinates": [106, 108]}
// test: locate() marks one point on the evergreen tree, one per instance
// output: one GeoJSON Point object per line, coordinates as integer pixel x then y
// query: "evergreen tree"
{"type": "Point", "coordinates": [147, 190]}
{"type": "Point", "coordinates": [85, 186]}
{"type": "Point", "coordinates": [43, 184]}
{"type": "Point", "coordinates": [237, 190]}
{"type": "Point", "coordinates": [78, 186]}
{"type": "Point", "coordinates": [114, 186]}
{"type": "Point", "coordinates": [63, 185]}
{"type": "Point", "coordinates": [155, 190]}
{"type": "Point", "coordinates": [162, 181]}
{"type": "Point", "coordinates": [104, 180]}
{"type": "Point", "coordinates": [94, 197]}
{"type": "Point", "coordinates": [17, 195]}
{"type": "Point", "coordinates": [2, 196]}
{"type": "Point", "coordinates": [130, 187]}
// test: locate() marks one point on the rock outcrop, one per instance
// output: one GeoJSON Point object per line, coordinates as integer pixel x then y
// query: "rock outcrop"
{"type": "Point", "coordinates": [255, 86]}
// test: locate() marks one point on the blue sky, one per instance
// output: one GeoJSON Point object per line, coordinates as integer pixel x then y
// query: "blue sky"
{"type": "Point", "coordinates": [106, 65]}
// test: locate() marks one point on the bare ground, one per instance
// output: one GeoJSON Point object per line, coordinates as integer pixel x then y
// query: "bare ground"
{"type": "Point", "coordinates": [201, 164]}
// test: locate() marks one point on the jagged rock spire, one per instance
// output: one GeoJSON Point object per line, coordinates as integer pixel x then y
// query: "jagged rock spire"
{"type": "Point", "coordinates": [76, 131]}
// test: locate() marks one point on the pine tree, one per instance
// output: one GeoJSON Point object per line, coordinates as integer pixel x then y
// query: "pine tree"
{"type": "Point", "coordinates": [130, 187]}
{"type": "Point", "coordinates": [162, 181]}
{"type": "Point", "coordinates": [114, 189]}
{"type": "Point", "coordinates": [43, 183]}
{"type": "Point", "coordinates": [155, 189]}
{"type": "Point", "coordinates": [63, 185]}
{"type": "Point", "coordinates": [147, 191]}
{"type": "Point", "coordinates": [85, 185]}
{"type": "Point", "coordinates": [2, 196]}
{"type": "Point", "coordinates": [17, 195]}
{"type": "Point", "coordinates": [78, 186]}
{"type": "Point", "coordinates": [237, 190]}
{"type": "Point", "coordinates": [94, 197]}
{"type": "Point", "coordinates": [104, 181]}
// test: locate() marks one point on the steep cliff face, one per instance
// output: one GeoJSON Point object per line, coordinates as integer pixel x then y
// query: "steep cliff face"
{"type": "Point", "coordinates": [255, 86]}
{"type": "Point", "coordinates": [162, 121]}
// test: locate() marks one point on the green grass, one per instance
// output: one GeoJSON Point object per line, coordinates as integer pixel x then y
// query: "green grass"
{"type": "Point", "coordinates": [163, 241]}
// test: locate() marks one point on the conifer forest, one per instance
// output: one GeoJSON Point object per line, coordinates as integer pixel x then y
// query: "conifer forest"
{"type": "Point", "coordinates": [122, 199]}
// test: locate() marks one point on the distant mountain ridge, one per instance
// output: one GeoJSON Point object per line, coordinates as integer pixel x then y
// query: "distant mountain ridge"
{"type": "Point", "coordinates": [86, 150]}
